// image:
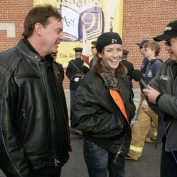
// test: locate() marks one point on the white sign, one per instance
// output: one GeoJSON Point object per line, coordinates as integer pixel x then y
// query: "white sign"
{"type": "Point", "coordinates": [9, 27]}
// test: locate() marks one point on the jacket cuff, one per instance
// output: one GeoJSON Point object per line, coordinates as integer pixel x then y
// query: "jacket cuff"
{"type": "Point", "coordinates": [157, 99]}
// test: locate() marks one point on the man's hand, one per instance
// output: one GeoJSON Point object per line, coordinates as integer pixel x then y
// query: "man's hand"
{"type": "Point", "coordinates": [151, 94]}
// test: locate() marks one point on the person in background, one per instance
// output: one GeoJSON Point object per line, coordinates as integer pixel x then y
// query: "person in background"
{"type": "Point", "coordinates": [102, 110]}
{"type": "Point", "coordinates": [75, 66]}
{"type": "Point", "coordinates": [162, 92]}
{"type": "Point", "coordinates": [60, 67]}
{"type": "Point", "coordinates": [143, 66]}
{"type": "Point", "coordinates": [34, 136]}
{"type": "Point", "coordinates": [75, 72]}
{"type": "Point", "coordinates": [146, 115]}
{"type": "Point", "coordinates": [145, 60]}
{"type": "Point", "coordinates": [94, 52]}
{"type": "Point", "coordinates": [127, 64]}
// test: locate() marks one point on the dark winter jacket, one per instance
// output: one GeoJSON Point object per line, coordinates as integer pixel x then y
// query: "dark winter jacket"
{"type": "Point", "coordinates": [130, 68]}
{"type": "Point", "coordinates": [144, 65]}
{"type": "Point", "coordinates": [28, 127]}
{"type": "Point", "coordinates": [97, 115]}
{"type": "Point", "coordinates": [166, 84]}
{"type": "Point", "coordinates": [151, 69]}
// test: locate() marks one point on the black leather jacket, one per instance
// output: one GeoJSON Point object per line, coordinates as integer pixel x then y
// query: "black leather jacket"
{"type": "Point", "coordinates": [27, 122]}
{"type": "Point", "coordinates": [96, 114]}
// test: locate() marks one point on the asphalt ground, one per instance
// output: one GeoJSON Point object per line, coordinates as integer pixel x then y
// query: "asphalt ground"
{"type": "Point", "coordinates": [147, 166]}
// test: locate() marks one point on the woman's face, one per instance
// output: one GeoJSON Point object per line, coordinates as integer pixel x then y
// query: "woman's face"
{"type": "Point", "coordinates": [111, 55]}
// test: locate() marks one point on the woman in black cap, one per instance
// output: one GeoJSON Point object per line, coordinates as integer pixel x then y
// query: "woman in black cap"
{"type": "Point", "coordinates": [102, 110]}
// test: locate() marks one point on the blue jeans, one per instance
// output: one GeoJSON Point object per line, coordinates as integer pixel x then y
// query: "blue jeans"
{"type": "Point", "coordinates": [99, 161]}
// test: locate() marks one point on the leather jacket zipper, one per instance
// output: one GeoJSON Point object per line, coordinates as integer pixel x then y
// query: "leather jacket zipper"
{"type": "Point", "coordinates": [117, 154]}
{"type": "Point", "coordinates": [56, 162]}
{"type": "Point", "coordinates": [57, 81]}
{"type": "Point", "coordinates": [120, 149]}
{"type": "Point", "coordinates": [50, 108]}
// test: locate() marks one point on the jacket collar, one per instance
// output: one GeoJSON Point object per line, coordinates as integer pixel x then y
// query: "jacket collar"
{"type": "Point", "coordinates": [23, 48]}
{"type": "Point", "coordinates": [29, 45]}
{"type": "Point", "coordinates": [109, 78]}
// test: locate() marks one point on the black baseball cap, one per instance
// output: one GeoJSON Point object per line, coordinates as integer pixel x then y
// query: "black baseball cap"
{"type": "Point", "coordinates": [107, 38]}
{"type": "Point", "coordinates": [141, 44]}
{"type": "Point", "coordinates": [170, 32]}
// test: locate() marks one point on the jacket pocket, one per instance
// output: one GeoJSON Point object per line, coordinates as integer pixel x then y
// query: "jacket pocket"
{"type": "Point", "coordinates": [22, 123]}
{"type": "Point", "coordinates": [27, 75]}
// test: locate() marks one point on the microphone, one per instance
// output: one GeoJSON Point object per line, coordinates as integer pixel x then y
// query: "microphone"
{"type": "Point", "coordinates": [137, 76]}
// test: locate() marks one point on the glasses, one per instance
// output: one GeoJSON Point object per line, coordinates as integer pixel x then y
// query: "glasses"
{"type": "Point", "coordinates": [168, 43]}
{"type": "Point", "coordinates": [92, 47]}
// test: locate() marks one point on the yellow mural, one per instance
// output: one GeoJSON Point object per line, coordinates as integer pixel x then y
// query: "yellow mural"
{"type": "Point", "coordinates": [97, 16]}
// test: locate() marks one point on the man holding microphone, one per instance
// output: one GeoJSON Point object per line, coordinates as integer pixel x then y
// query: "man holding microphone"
{"type": "Point", "coordinates": [162, 91]}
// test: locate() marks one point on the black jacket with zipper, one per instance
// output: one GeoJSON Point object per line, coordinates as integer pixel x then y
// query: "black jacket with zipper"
{"type": "Point", "coordinates": [28, 127]}
{"type": "Point", "coordinates": [165, 81]}
{"type": "Point", "coordinates": [97, 115]}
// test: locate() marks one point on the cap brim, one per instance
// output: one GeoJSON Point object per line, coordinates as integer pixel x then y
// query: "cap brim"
{"type": "Point", "coordinates": [163, 37]}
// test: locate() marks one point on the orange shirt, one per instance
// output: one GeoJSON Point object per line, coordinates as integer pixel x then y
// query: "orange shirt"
{"type": "Point", "coordinates": [118, 100]}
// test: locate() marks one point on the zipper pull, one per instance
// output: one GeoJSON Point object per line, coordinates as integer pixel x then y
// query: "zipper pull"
{"type": "Point", "coordinates": [56, 162]}
{"type": "Point", "coordinates": [117, 155]}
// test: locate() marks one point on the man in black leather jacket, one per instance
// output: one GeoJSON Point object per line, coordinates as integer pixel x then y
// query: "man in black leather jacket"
{"type": "Point", "coordinates": [34, 138]}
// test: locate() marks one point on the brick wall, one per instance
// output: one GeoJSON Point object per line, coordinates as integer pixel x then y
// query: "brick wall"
{"type": "Point", "coordinates": [13, 12]}
{"type": "Point", "coordinates": [142, 19]}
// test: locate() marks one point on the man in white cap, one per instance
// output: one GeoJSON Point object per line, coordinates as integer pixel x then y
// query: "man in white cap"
{"type": "Point", "coordinates": [162, 91]}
